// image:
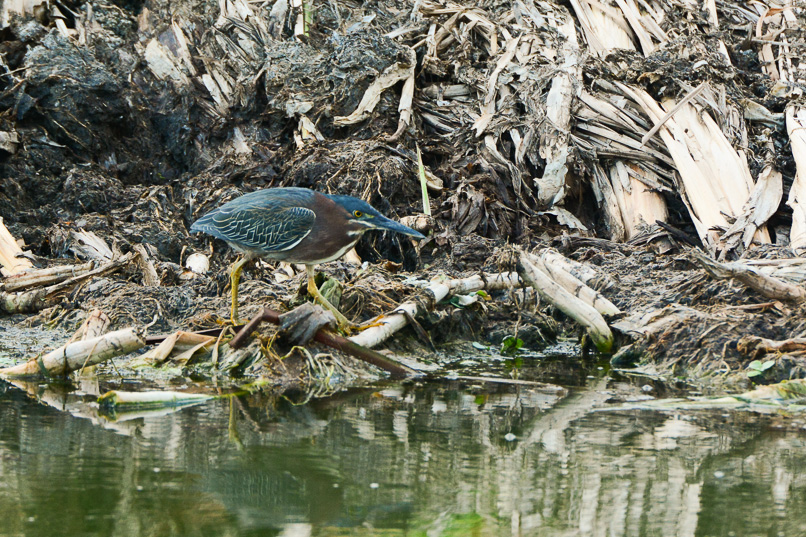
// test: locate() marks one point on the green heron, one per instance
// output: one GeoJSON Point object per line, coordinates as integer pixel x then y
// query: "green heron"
{"type": "Point", "coordinates": [295, 225]}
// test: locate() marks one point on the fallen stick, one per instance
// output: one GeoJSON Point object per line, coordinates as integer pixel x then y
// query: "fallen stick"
{"type": "Point", "coordinates": [331, 340]}
{"type": "Point", "coordinates": [755, 346]}
{"type": "Point", "coordinates": [80, 354]}
{"type": "Point", "coordinates": [566, 302]}
{"type": "Point", "coordinates": [752, 278]}
{"type": "Point", "coordinates": [658, 124]}
{"type": "Point", "coordinates": [439, 290]}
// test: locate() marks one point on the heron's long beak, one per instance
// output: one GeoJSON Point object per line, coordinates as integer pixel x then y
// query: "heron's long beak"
{"type": "Point", "coordinates": [383, 223]}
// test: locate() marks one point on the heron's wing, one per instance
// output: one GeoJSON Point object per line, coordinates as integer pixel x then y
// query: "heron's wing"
{"type": "Point", "coordinates": [264, 228]}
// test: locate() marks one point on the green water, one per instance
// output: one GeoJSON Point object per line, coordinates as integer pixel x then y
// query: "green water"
{"type": "Point", "coordinates": [430, 459]}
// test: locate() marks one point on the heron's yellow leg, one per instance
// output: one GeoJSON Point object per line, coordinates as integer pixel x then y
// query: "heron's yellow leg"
{"type": "Point", "coordinates": [235, 279]}
{"type": "Point", "coordinates": [341, 320]}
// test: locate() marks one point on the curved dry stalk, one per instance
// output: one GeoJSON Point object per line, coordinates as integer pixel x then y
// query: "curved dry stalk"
{"type": "Point", "coordinates": [554, 293]}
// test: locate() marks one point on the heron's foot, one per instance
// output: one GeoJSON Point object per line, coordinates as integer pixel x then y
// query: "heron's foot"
{"type": "Point", "coordinates": [378, 321]}
{"type": "Point", "coordinates": [342, 323]}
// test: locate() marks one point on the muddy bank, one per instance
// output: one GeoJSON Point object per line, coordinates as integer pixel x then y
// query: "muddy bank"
{"type": "Point", "coordinates": [125, 122]}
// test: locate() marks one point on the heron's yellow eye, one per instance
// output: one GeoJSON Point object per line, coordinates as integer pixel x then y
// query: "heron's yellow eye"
{"type": "Point", "coordinates": [358, 214]}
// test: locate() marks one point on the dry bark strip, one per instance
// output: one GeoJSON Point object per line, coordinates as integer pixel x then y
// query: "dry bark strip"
{"type": "Point", "coordinates": [391, 76]}
{"type": "Point", "coordinates": [796, 128]}
{"type": "Point", "coordinates": [716, 179]}
{"type": "Point", "coordinates": [554, 146]}
{"type": "Point", "coordinates": [187, 343]}
{"type": "Point", "coordinates": [80, 354]}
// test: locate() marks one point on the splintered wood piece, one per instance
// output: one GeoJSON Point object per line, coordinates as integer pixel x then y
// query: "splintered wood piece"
{"type": "Point", "coordinates": [605, 27]}
{"type": "Point", "coordinates": [796, 128]}
{"type": "Point", "coordinates": [93, 326]}
{"type": "Point", "coordinates": [488, 108]}
{"type": "Point", "coordinates": [639, 206]}
{"type": "Point", "coordinates": [554, 143]}
{"type": "Point", "coordinates": [9, 249]}
{"type": "Point", "coordinates": [715, 178]}
{"type": "Point", "coordinates": [146, 266]}
{"type": "Point", "coordinates": [761, 205]}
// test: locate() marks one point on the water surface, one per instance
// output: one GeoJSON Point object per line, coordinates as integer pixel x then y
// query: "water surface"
{"type": "Point", "coordinates": [438, 459]}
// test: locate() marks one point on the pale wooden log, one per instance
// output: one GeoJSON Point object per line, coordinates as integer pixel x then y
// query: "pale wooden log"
{"type": "Point", "coordinates": [80, 354]}
{"type": "Point", "coordinates": [756, 280]}
{"type": "Point", "coordinates": [9, 249]}
{"type": "Point", "coordinates": [796, 128]}
{"type": "Point", "coordinates": [550, 291]}
{"type": "Point", "coordinates": [575, 286]}
{"type": "Point", "coordinates": [438, 291]}
{"type": "Point", "coordinates": [37, 299]}
{"type": "Point", "coordinates": [580, 271]}
{"type": "Point", "coordinates": [43, 277]}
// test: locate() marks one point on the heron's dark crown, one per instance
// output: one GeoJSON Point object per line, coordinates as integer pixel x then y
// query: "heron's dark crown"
{"type": "Point", "coordinates": [351, 204]}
